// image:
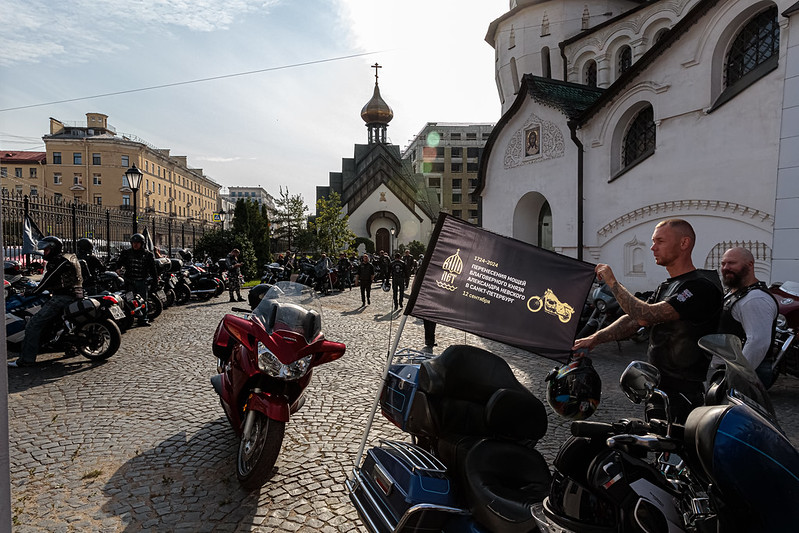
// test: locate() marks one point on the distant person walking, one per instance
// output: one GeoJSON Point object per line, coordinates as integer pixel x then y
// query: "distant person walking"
{"type": "Point", "coordinates": [366, 276]}
{"type": "Point", "coordinates": [233, 272]}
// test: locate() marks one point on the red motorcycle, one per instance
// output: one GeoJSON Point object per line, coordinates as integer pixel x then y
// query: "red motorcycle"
{"type": "Point", "coordinates": [785, 355]}
{"type": "Point", "coordinates": [265, 363]}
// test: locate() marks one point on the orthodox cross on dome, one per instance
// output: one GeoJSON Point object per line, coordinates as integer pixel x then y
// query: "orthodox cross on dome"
{"type": "Point", "coordinates": [376, 66]}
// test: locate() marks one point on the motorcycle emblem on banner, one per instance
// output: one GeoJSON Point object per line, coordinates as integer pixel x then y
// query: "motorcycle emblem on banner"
{"type": "Point", "coordinates": [453, 266]}
{"type": "Point", "coordinates": [551, 305]}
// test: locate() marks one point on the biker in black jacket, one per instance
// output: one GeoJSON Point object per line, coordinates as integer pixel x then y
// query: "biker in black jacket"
{"type": "Point", "coordinates": [139, 265]}
{"type": "Point", "coordinates": [62, 278]}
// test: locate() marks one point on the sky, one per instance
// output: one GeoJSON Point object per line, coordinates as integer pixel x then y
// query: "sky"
{"type": "Point", "coordinates": [284, 80]}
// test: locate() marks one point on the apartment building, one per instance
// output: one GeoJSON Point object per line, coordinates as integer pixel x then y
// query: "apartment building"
{"type": "Point", "coordinates": [87, 163]}
{"type": "Point", "coordinates": [447, 154]}
{"type": "Point", "coordinates": [22, 172]}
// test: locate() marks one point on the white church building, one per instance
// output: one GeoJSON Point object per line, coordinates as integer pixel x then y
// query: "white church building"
{"type": "Point", "coordinates": [617, 114]}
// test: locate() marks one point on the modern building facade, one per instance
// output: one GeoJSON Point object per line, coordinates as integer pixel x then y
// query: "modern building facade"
{"type": "Point", "coordinates": [447, 155]}
{"type": "Point", "coordinates": [87, 163]}
{"type": "Point", "coordinates": [619, 114]}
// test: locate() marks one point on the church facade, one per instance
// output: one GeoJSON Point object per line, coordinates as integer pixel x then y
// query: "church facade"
{"type": "Point", "coordinates": [386, 201]}
{"type": "Point", "coordinates": [619, 114]}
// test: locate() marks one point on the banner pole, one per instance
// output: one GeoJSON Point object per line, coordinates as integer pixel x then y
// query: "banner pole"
{"type": "Point", "coordinates": [376, 401]}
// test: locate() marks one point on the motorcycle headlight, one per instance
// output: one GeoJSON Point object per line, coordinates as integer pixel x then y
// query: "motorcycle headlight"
{"type": "Point", "coordinates": [781, 321]}
{"type": "Point", "coordinates": [269, 363]}
{"type": "Point", "coordinates": [601, 305]}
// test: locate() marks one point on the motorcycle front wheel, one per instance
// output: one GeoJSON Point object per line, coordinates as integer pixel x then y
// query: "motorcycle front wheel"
{"type": "Point", "coordinates": [182, 294]}
{"type": "Point", "coordinates": [170, 298]}
{"type": "Point", "coordinates": [258, 454]}
{"type": "Point", "coordinates": [154, 307]}
{"type": "Point", "coordinates": [102, 339]}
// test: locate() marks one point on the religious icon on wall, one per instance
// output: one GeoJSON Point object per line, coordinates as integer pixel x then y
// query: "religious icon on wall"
{"type": "Point", "coordinates": [532, 141]}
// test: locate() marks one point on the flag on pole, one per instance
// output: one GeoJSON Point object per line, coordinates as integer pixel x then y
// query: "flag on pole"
{"type": "Point", "coordinates": [31, 235]}
{"type": "Point", "coordinates": [501, 288]}
{"type": "Point", "coordinates": [148, 241]}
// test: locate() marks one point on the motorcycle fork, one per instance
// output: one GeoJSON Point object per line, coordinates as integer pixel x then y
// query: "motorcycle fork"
{"type": "Point", "coordinates": [783, 350]}
{"type": "Point", "coordinates": [249, 416]}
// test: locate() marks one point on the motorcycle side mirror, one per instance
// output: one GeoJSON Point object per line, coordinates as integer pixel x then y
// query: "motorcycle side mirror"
{"type": "Point", "coordinates": [639, 380]}
{"type": "Point", "coordinates": [330, 351]}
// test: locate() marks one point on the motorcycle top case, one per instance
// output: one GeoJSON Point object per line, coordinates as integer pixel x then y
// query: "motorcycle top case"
{"type": "Point", "coordinates": [82, 309]}
{"type": "Point", "coordinates": [398, 392]}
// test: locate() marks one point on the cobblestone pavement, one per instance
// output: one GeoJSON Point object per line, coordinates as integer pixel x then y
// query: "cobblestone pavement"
{"type": "Point", "coordinates": [140, 443]}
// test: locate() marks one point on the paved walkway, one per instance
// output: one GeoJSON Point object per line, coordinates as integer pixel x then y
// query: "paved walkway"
{"type": "Point", "coordinates": [140, 443]}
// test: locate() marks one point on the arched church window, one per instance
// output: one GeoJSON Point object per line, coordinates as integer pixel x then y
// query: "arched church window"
{"type": "Point", "coordinates": [625, 60]}
{"type": "Point", "coordinates": [546, 66]}
{"type": "Point", "coordinates": [589, 73]}
{"type": "Point", "coordinates": [659, 35]}
{"type": "Point", "coordinates": [639, 140]}
{"type": "Point", "coordinates": [515, 75]}
{"type": "Point", "coordinates": [755, 44]}
{"type": "Point", "coordinates": [545, 227]}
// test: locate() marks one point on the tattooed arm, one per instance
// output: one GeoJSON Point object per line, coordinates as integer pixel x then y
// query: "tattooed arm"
{"type": "Point", "coordinates": [620, 329]}
{"type": "Point", "coordinates": [645, 314]}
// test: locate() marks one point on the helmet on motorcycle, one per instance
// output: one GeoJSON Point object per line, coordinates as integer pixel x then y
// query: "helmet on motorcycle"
{"type": "Point", "coordinates": [85, 247]}
{"type": "Point", "coordinates": [185, 255]}
{"type": "Point", "coordinates": [137, 237]}
{"type": "Point", "coordinates": [51, 245]}
{"type": "Point", "coordinates": [573, 390]}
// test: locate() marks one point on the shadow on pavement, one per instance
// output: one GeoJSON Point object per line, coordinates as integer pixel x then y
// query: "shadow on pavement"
{"type": "Point", "coordinates": [187, 484]}
{"type": "Point", "coordinates": [48, 371]}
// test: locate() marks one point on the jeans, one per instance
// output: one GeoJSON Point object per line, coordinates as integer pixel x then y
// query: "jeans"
{"type": "Point", "coordinates": [366, 292]}
{"type": "Point", "coordinates": [49, 312]}
{"type": "Point", "coordinates": [398, 286]}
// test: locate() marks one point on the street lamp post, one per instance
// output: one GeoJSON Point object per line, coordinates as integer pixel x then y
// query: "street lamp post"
{"type": "Point", "coordinates": [222, 214]}
{"type": "Point", "coordinates": [134, 176]}
{"type": "Point", "coordinates": [393, 240]}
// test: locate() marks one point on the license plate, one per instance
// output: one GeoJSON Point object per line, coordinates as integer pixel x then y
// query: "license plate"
{"type": "Point", "coordinates": [116, 312]}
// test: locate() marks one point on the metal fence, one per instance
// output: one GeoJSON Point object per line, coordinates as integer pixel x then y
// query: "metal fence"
{"type": "Point", "coordinates": [109, 229]}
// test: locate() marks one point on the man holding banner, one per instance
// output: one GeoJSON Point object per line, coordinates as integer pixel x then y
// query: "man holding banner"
{"type": "Point", "coordinates": [683, 309]}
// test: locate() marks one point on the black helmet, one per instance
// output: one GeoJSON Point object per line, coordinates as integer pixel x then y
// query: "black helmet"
{"type": "Point", "coordinates": [573, 390]}
{"type": "Point", "coordinates": [85, 247]}
{"type": "Point", "coordinates": [137, 237]}
{"type": "Point", "coordinates": [53, 243]}
{"type": "Point", "coordinates": [185, 255]}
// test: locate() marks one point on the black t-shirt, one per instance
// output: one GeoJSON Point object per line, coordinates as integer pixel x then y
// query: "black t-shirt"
{"type": "Point", "coordinates": [697, 298]}
{"type": "Point", "coordinates": [365, 272]}
{"type": "Point", "coordinates": [398, 269]}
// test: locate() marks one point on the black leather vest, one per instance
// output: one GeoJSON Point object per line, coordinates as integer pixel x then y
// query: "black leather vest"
{"type": "Point", "coordinates": [728, 324]}
{"type": "Point", "coordinates": [673, 345]}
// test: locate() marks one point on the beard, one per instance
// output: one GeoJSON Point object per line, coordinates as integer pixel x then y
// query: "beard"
{"type": "Point", "coordinates": [735, 280]}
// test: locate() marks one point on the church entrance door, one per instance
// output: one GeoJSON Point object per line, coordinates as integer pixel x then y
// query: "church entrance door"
{"type": "Point", "coordinates": [383, 240]}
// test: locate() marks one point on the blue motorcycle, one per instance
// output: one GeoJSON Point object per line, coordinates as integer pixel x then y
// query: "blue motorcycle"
{"type": "Point", "coordinates": [471, 463]}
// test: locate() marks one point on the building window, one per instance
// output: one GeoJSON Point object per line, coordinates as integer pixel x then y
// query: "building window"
{"type": "Point", "coordinates": [514, 72]}
{"type": "Point", "coordinates": [434, 182]}
{"type": "Point", "coordinates": [625, 60]}
{"type": "Point", "coordinates": [472, 183]}
{"type": "Point", "coordinates": [456, 167]}
{"type": "Point", "coordinates": [96, 159]}
{"type": "Point", "coordinates": [455, 136]}
{"type": "Point", "coordinates": [471, 167]}
{"type": "Point", "coordinates": [456, 213]}
{"type": "Point", "coordinates": [18, 190]}
{"type": "Point", "coordinates": [639, 141]}
{"type": "Point", "coordinates": [456, 152]}
{"type": "Point", "coordinates": [756, 43]}
{"type": "Point", "coordinates": [4, 172]}
{"type": "Point", "coordinates": [98, 200]}
{"type": "Point", "coordinates": [125, 199]}
{"type": "Point", "coordinates": [439, 153]}
{"type": "Point", "coordinates": [125, 161]}
{"type": "Point", "coordinates": [546, 66]}
{"type": "Point", "coordinates": [76, 179]}
{"type": "Point", "coordinates": [96, 179]}
{"type": "Point", "coordinates": [589, 73]}
{"type": "Point", "coordinates": [457, 198]}
{"type": "Point", "coordinates": [57, 179]}
{"type": "Point", "coordinates": [472, 152]}
{"type": "Point", "coordinates": [77, 158]}
{"type": "Point", "coordinates": [18, 172]}
{"type": "Point", "coordinates": [57, 197]}
{"type": "Point", "coordinates": [436, 167]}
{"type": "Point", "coordinates": [486, 135]}
{"type": "Point", "coordinates": [471, 136]}
{"type": "Point", "coordinates": [472, 213]}
{"type": "Point", "coordinates": [56, 158]}
{"type": "Point", "coordinates": [33, 173]}
{"type": "Point", "coordinates": [34, 190]}
{"type": "Point", "coordinates": [456, 183]}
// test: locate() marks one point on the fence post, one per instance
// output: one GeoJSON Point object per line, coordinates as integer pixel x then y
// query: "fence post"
{"type": "Point", "coordinates": [169, 234]}
{"type": "Point", "coordinates": [107, 235]}
{"type": "Point", "coordinates": [193, 237]}
{"type": "Point", "coordinates": [26, 211]}
{"type": "Point", "coordinates": [74, 225]}
{"type": "Point", "coordinates": [183, 235]}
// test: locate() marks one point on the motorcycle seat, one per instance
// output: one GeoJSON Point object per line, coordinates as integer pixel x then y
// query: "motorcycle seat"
{"type": "Point", "coordinates": [503, 480]}
{"type": "Point", "coordinates": [472, 394]}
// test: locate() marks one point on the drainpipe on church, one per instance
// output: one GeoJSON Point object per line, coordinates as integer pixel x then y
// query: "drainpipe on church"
{"type": "Point", "coordinates": [573, 129]}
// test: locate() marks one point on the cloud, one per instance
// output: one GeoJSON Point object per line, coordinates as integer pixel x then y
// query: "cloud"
{"type": "Point", "coordinates": [217, 159]}
{"type": "Point", "coordinates": [80, 30]}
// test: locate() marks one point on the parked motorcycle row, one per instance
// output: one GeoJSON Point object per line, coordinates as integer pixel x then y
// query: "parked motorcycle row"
{"type": "Point", "coordinates": [93, 326]}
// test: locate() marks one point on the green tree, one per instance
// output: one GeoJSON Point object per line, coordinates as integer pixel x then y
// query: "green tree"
{"type": "Point", "coordinates": [331, 225]}
{"type": "Point", "coordinates": [290, 216]}
{"type": "Point", "coordinates": [416, 248]}
{"type": "Point", "coordinates": [218, 243]}
{"type": "Point", "coordinates": [251, 220]}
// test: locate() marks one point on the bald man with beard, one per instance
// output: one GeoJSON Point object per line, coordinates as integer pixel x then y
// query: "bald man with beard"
{"type": "Point", "coordinates": [749, 310]}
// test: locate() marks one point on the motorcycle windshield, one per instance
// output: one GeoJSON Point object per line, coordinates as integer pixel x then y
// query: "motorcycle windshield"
{"type": "Point", "coordinates": [738, 379]}
{"type": "Point", "coordinates": [291, 307]}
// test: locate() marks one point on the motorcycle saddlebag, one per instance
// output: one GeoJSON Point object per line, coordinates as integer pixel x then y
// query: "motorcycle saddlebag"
{"type": "Point", "coordinates": [83, 310]}
{"type": "Point", "coordinates": [398, 392]}
{"type": "Point", "coordinates": [402, 483]}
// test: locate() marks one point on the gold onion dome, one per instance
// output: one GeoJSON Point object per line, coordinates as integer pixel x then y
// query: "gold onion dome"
{"type": "Point", "coordinates": [376, 110]}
